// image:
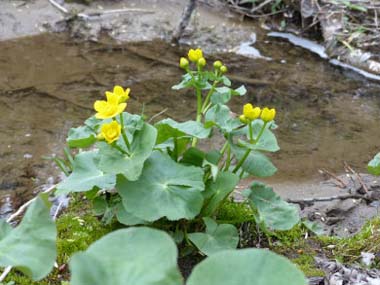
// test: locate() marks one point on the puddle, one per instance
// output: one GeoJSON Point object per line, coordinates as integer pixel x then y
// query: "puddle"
{"type": "Point", "coordinates": [48, 84]}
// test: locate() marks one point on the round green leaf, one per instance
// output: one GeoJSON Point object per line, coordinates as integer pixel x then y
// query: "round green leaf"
{"type": "Point", "coordinates": [126, 218]}
{"type": "Point", "coordinates": [86, 175]}
{"type": "Point", "coordinates": [276, 213]}
{"type": "Point", "coordinates": [256, 164]}
{"type": "Point", "coordinates": [30, 247]}
{"type": "Point", "coordinates": [246, 267]}
{"type": "Point", "coordinates": [135, 256]}
{"type": "Point", "coordinates": [216, 238]}
{"type": "Point", "coordinates": [80, 137]}
{"type": "Point", "coordinates": [164, 189]}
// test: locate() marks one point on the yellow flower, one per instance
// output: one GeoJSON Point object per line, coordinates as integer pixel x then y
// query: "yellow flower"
{"type": "Point", "coordinates": [195, 55]}
{"type": "Point", "coordinates": [251, 113]}
{"type": "Point", "coordinates": [110, 108]}
{"type": "Point", "coordinates": [268, 115]}
{"type": "Point", "coordinates": [110, 132]}
{"type": "Point", "coordinates": [119, 91]}
{"type": "Point", "coordinates": [183, 63]}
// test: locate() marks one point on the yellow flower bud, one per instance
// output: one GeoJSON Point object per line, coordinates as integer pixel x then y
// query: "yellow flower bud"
{"type": "Point", "coordinates": [251, 113]}
{"type": "Point", "coordinates": [223, 69]}
{"type": "Point", "coordinates": [268, 115]}
{"type": "Point", "coordinates": [111, 131]}
{"type": "Point", "coordinates": [218, 64]}
{"type": "Point", "coordinates": [201, 62]}
{"type": "Point", "coordinates": [243, 119]}
{"type": "Point", "coordinates": [183, 63]}
{"type": "Point", "coordinates": [195, 54]}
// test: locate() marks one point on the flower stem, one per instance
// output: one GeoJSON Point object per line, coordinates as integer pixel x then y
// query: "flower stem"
{"type": "Point", "coordinates": [208, 96]}
{"type": "Point", "coordinates": [114, 145]}
{"type": "Point", "coordinates": [199, 113]}
{"type": "Point", "coordinates": [237, 167]}
{"type": "Point", "coordinates": [123, 132]}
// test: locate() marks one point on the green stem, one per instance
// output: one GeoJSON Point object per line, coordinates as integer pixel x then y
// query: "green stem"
{"type": "Point", "coordinates": [114, 145]}
{"type": "Point", "coordinates": [261, 132]}
{"type": "Point", "coordinates": [123, 132]}
{"type": "Point", "coordinates": [228, 159]}
{"type": "Point", "coordinates": [237, 167]}
{"type": "Point", "coordinates": [251, 140]}
{"type": "Point", "coordinates": [199, 112]}
{"type": "Point", "coordinates": [208, 96]}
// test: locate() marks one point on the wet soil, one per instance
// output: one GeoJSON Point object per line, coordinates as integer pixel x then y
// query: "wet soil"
{"type": "Point", "coordinates": [48, 83]}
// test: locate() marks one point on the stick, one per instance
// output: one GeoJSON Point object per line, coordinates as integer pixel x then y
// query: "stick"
{"type": "Point", "coordinates": [325, 199]}
{"type": "Point", "coordinates": [341, 183]}
{"type": "Point", "coordinates": [5, 273]}
{"type": "Point", "coordinates": [358, 176]}
{"type": "Point", "coordinates": [23, 207]}
{"type": "Point", "coordinates": [258, 7]}
{"type": "Point", "coordinates": [59, 7]}
{"type": "Point", "coordinates": [185, 19]}
{"type": "Point", "coordinates": [158, 114]}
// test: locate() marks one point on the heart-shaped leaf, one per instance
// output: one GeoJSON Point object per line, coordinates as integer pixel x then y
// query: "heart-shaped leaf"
{"type": "Point", "coordinates": [256, 164]}
{"type": "Point", "coordinates": [246, 267]}
{"type": "Point", "coordinates": [81, 137]}
{"type": "Point", "coordinates": [276, 213]}
{"type": "Point", "coordinates": [138, 256]}
{"type": "Point", "coordinates": [216, 238]}
{"type": "Point", "coordinates": [86, 175]}
{"type": "Point", "coordinates": [164, 189]}
{"type": "Point", "coordinates": [30, 247]}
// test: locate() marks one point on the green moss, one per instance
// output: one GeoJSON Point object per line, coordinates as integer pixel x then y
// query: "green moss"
{"type": "Point", "coordinates": [77, 229]}
{"type": "Point", "coordinates": [349, 249]}
{"type": "Point", "coordinates": [306, 263]}
{"type": "Point", "coordinates": [234, 213]}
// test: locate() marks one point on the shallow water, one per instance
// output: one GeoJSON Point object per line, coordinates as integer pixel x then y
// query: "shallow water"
{"type": "Point", "coordinates": [48, 84]}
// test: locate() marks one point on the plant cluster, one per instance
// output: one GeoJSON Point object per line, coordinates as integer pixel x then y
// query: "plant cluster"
{"type": "Point", "coordinates": [157, 176]}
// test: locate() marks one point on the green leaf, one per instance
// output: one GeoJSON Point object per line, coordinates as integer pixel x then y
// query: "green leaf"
{"type": "Point", "coordinates": [169, 128]}
{"type": "Point", "coordinates": [314, 227]}
{"type": "Point", "coordinates": [226, 81]}
{"type": "Point", "coordinates": [217, 191]}
{"type": "Point", "coordinates": [256, 164]}
{"type": "Point", "coordinates": [374, 165]}
{"type": "Point", "coordinates": [81, 137]}
{"type": "Point", "coordinates": [86, 175]}
{"type": "Point", "coordinates": [246, 267]}
{"type": "Point", "coordinates": [164, 189]}
{"type": "Point", "coordinates": [216, 238]}
{"type": "Point", "coordinates": [193, 156]}
{"type": "Point", "coordinates": [5, 229]}
{"type": "Point", "coordinates": [30, 247]}
{"type": "Point", "coordinates": [220, 115]}
{"type": "Point", "coordinates": [126, 218]}
{"type": "Point", "coordinates": [114, 162]}
{"type": "Point", "coordinates": [136, 256]}
{"type": "Point", "coordinates": [224, 94]}
{"type": "Point", "coordinates": [99, 205]}
{"type": "Point", "coordinates": [276, 213]}
{"type": "Point", "coordinates": [267, 141]}
{"type": "Point", "coordinates": [185, 83]}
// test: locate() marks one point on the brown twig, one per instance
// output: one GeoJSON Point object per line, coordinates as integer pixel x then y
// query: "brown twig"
{"type": "Point", "coordinates": [340, 184]}
{"type": "Point", "coordinates": [185, 20]}
{"type": "Point", "coordinates": [365, 188]}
